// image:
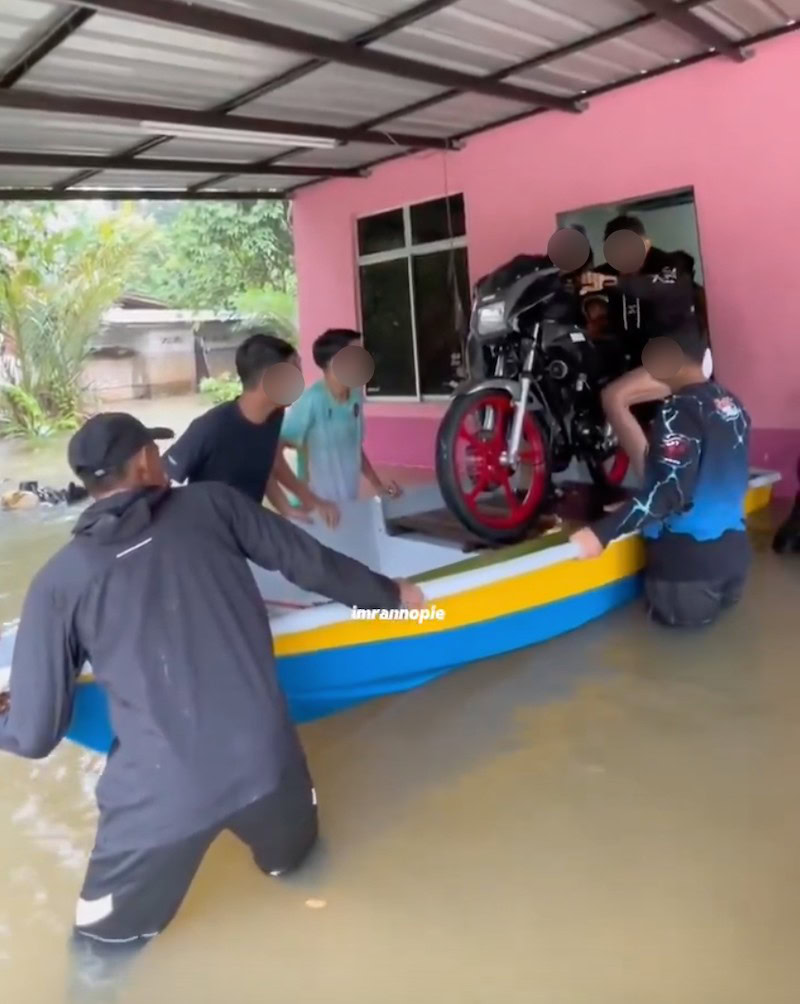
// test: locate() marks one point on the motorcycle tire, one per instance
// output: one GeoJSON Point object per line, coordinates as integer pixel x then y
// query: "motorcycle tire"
{"type": "Point", "coordinates": [490, 528]}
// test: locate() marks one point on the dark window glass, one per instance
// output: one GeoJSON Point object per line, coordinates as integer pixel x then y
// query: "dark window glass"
{"type": "Point", "coordinates": [383, 232]}
{"type": "Point", "coordinates": [441, 301]}
{"type": "Point", "coordinates": [430, 222]}
{"type": "Point", "coordinates": [386, 317]}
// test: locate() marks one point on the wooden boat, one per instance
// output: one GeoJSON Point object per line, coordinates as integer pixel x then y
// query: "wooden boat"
{"type": "Point", "coordinates": [485, 604]}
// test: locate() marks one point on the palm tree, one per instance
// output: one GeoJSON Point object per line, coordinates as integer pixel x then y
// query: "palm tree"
{"type": "Point", "coordinates": [56, 283]}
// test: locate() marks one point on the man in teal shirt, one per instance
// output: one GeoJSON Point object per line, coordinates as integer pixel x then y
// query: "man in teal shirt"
{"type": "Point", "coordinates": [326, 425]}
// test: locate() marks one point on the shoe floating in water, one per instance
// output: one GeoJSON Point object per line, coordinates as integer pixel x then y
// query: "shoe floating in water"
{"type": "Point", "coordinates": [19, 500]}
{"type": "Point", "coordinates": [49, 496]}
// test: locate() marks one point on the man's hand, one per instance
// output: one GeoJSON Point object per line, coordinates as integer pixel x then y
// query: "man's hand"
{"type": "Point", "coordinates": [587, 543]}
{"type": "Point", "coordinates": [411, 596]}
{"type": "Point", "coordinates": [299, 514]}
{"type": "Point", "coordinates": [5, 702]}
{"type": "Point", "coordinates": [329, 512]}
{"type": "Point", "coordinates": [390, 490]}
{"type": "Point", "coordinates": [595, 282]}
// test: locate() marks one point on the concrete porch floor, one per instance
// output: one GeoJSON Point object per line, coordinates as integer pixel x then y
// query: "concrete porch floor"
{"type": "Point", "coordinates": [611, 818]}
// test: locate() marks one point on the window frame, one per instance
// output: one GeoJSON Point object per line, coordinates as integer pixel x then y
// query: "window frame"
{"type": "Point", "coordinates": [408, 251]}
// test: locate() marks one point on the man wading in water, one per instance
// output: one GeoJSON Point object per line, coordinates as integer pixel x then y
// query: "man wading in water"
{"type": "Point", "coordinates": [155, 591]}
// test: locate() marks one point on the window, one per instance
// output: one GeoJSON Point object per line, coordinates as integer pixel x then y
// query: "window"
{"type": "Point", "coordinates": [414, 284]}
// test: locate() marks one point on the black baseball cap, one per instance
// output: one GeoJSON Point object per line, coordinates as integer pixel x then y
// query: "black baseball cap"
{"type": "Point", "coordinates": [108, 441]}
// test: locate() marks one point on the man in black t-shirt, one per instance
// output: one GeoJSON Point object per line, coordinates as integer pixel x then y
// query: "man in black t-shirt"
{"type": "Point", "coordinates": [236, 443]}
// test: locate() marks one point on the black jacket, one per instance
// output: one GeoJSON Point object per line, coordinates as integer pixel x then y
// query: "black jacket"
{"type": "Point", "coordinates": [657, 301]}
{"type": "Point", "coordinates": [155, 591]}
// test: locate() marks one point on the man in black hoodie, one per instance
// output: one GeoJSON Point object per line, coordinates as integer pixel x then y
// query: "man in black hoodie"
{"type": "Point", "coordinates": [155, 591]}
{"type": "Point", "coordinates": [657, 300]}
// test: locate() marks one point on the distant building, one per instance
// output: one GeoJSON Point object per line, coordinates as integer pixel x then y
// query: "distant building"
{"type": "Point", "coordinates": [145, 349]}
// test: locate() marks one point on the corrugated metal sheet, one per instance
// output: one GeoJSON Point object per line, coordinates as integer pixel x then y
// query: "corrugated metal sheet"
{"type": "Point", "coordinates": [29, 177]}
{"type": "Point", "coordinates": [259, 183]}
{"type": "Point", "coordinates": [475, 36]}
{"type": "Point", "coordinates": [340, 20]}
{"type": "Point", "coordinates": [639, 51]}
{"type": "Point", "coordinates": [144, 179]}
{"type": "Point", "coordinates": [552, 23]}
{"type": "Point", "coordinates": [742, 18]}
{"type": "Point", "coordinates": [19, 21]}
{"type": "Point", "coordinates": [457, 115]}
{"type": "Point", "coordinates": [204, 149]}
{"type": "Point", "coordinates": [20, 130]}
{"type": "Point", "coordinates": [136, 59]}
{"type": "Point", "coordinates": [120, 57]}
{"type": "Point", "coordinates": [350, 155]}
{"type": "Point", "coordinates": [340, 96]}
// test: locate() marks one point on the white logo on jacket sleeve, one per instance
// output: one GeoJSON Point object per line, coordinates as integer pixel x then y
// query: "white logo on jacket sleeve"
{"type": "Point", "coordinates": [728, 408]}
{"type": "Point", "coordinates": [130, 550]}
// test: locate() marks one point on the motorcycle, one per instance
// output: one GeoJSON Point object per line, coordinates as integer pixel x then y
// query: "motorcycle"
{"type": "Point", "coordinates": [531, 405]}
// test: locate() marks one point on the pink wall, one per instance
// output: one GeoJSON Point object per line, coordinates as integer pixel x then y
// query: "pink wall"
{"type": "Point", "coordinates": [728, 129]}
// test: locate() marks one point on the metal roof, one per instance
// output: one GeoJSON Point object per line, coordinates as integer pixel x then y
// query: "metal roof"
{"type": "Point", "coordinates": [169, 97]}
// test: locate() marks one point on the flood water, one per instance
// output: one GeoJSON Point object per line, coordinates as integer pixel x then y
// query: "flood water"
{"type": "Point", "coordinates": [611, 818]}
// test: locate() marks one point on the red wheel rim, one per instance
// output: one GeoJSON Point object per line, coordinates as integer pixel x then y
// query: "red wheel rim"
{"type": "Point", "coordinates": [498, 497]}
{"type": "Point", "coordinates": [616, 467]}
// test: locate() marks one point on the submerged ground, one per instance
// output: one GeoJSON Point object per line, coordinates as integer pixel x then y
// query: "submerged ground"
{"type": "Point", "coordinates": [611, 818]}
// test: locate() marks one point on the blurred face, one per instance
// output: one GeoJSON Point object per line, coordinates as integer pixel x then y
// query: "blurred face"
{"type": "Point", "coordinates": [626, 251]}
{"type": "Point", "coordinates": [283, 382]}
{"type": "Point", "coordinates": [351, 367]}
{"type": "Point", "coordinates": [663, 359]}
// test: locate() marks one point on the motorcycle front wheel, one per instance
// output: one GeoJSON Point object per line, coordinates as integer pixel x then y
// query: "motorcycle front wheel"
{"type": "Point", "coordinates": [492, 499]}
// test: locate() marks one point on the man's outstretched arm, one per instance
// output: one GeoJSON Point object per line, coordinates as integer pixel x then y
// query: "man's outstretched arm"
{"type": "Point", "coordinates": [276, 544]}
{"type": "Point", "coordinates": [44, 670]}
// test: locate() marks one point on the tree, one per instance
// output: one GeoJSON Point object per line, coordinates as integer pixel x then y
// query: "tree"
{"type": "Point", "coordinates": [211, 253]}
{"type": "Point", "coordinates": [59, 273]}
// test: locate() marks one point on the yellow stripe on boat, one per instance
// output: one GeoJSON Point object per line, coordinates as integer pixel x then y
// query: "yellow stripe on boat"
{"type": "Point", "coordinates": [487, 602]}
{"type": "Point", "coordinates": [493, 599]}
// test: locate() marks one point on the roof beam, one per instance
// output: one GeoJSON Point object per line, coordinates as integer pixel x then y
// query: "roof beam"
{"type": "Point", "coordinates": [701, 31]}
{"type": "Point", "coordinates": [55, 31]}
{"type": "Point", "coordinates": [410, 16]}
{"type": "Point", "coordinates": [197, 17]}
{"type": "Point", "coordinates": [132, 195]}
{"type": "Point", "coordinates": [75, 104]}
{"type": "Point", "coordinates": [609, 35]}
{"type": "Point", "coordinates": [99, 163]}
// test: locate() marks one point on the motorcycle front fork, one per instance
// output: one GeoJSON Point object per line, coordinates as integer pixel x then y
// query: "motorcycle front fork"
{"type": "Point", "coordinates": [511, 456]}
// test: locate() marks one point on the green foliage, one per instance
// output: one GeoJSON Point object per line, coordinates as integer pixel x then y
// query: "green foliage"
{"type": "Point", "coordinates": [269, 308]}
{"type": "Point", "coordinates": [211, 253]}
{"type": "Point", "coordinates": [221, 389]}
{"type": "Point", "coordinates": [58, 276]}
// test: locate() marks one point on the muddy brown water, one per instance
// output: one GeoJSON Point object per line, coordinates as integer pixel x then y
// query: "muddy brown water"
{"type": "Point", "coordinates": [609, 818]}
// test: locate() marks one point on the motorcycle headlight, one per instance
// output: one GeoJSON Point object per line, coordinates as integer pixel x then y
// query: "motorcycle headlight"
{"type": "Point", "coordinates": [491, 318]}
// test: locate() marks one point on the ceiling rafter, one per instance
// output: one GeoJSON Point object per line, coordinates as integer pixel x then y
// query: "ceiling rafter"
{"type": "Point", "coordinates": [752, 40]}
{"type": "Point", "coordinates": [698, 29]}
{"type": "Point", "coordinates": [132, 111]}
{"type": "Point", "coordinates": [373, 34]}
{"type": "Point", "coordinates": [134, 195]}
{"type": "Point", "coordinates": [55, 31]}
{"type": "Point", "coordinates": [224, 23]}
{"type": "Point", "coordinates": [522, 66]}
{"type": "Point", "coordinates": [163, 164]}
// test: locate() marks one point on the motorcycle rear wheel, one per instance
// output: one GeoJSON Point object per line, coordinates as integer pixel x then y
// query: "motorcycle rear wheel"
{"type": "Point", "coordinates": [493, 501]}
